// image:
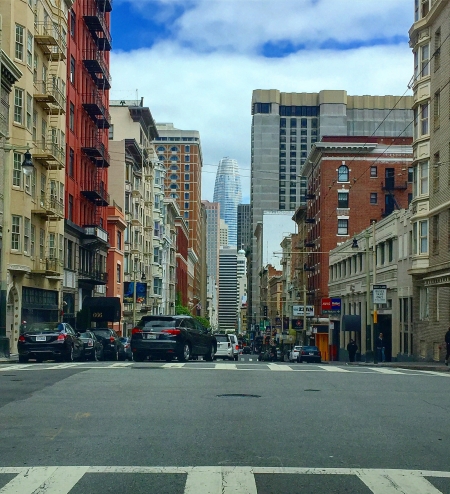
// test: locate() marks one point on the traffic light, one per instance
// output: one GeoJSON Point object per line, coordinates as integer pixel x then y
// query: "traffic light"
{"type": "Point", "coordinates": [265, 311]}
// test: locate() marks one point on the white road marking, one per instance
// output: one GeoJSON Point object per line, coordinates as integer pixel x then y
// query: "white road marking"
{"type": "Point", "coordinates": [384, 370]}
{"type": "Point", "coordinates": [333, 368]}
{"type": "Point", "coordinates": [225, 367]}
{"type": "Point", "coordinates": [435, 373]}
{"type": "Point", "coordinates": [119, 365]}
{"type": "Point", "coordinates": [204, 481]}
{"type": "Point", "coordinates": [397, 483]}
{"type": "Point", "coordinates": [174, 365]}
{"type": "Point", "coordinates": [14, 367]}
{"type": "Point", "coordinates": [277, 367]}
{"type": "Point", "coordinates": [65, 366]}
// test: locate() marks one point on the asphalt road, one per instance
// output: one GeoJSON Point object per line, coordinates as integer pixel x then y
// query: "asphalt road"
{"type": "Point", "coordinates": [225, 427]}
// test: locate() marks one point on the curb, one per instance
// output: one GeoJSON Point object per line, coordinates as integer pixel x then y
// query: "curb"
{"type": "Point", "coordinates": [418, 366]}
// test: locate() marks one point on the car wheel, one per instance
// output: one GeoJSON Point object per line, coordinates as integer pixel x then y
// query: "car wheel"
{"type": "Point", "coordinates": [23, 359]}
{"type": "Point", "coordinates": [69, 356]}
{"type": "Point", "coordinates": [185, 355]}
{"type": "Point", "coordinates": [138, 357]}
{"type": "Point", "coordinates": [209, 357]}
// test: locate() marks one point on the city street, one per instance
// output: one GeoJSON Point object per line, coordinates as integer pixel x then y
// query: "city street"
{"type": "Point", "coordinates": [242, 427]}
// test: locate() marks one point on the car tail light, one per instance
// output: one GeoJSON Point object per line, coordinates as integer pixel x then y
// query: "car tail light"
{"type": "Point", "coordinates": [111, 339]}
{"type": "Point", "coordinates": [90, 343]}
{"type": "Point", "coordinates": [171, 331]}
{"type": "Point", "coordinates": [136, 330]}
{"type": "Point", "coordinates": [237, 347]}
{"type": "Point", "coordinates": [61, 337]}
{"type": "Point", "coordinates": [22, 338]}
{"type": "Point", "coordinates": [303, 353]}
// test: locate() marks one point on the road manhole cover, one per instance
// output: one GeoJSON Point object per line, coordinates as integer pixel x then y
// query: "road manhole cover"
{"type": "Point", "coordinates": [238, 395]}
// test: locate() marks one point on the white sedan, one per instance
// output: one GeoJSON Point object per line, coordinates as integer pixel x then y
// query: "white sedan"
{"type": "Point", "coordinates": [294, 353]}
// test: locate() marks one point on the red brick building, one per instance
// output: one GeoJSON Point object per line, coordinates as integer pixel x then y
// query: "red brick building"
{"type": "Point", "coordinates": [87, 158]}
{"type": "Point", "coordinates": [352, 181]}
{"type": "Point", "coordinates": [182, 274]}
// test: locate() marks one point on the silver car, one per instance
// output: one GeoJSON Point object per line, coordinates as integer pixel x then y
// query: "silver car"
{"type": "Point", "coordinates": [224, 347]}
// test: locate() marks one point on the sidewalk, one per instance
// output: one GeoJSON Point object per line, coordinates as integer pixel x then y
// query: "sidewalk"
{"type": "Point", "coordinates": [427, 366]}
{"type": "Point", "coordinates": [13, 359]}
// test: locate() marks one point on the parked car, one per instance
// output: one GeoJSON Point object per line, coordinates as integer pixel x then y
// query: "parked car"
{"type": "Point", "coordinates": [169, 336]}
{"type": "Point", "coordinates": [246, 350]}
{"type": "Point", "coordinates": [224, 346]}
{"type": "Point", "coordinates": [50, 340]}
{"type": "Point", "coordinates": [295, 353]}
{"type": "Point", "coordinates": [93, 348]}
{"type": "Point", "coordinates": [235, 345]}
{"type": "Point", "coordinates": [309, 354]}
{"type": "Point", "coordinates": [112, 346]}
{"type": "Point", "coordinates": [127, 348]}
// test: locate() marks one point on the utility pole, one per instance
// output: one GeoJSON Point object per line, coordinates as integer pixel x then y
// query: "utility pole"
{"type": "Point", "coordinates": [374, 276]}
{"type": "Point", "coordinates": [369, 324]}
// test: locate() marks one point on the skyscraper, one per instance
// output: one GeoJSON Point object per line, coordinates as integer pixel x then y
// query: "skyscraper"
{"type": "Point", "coordinates": [228, 193]}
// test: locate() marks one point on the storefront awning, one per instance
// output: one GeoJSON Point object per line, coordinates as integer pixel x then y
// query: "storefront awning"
{"type": "Point", "coordinates": [351, 323]}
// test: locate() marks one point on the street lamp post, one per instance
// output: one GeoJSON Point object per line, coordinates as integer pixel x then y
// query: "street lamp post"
{"type": "Point", "coordinates": [27, 167]}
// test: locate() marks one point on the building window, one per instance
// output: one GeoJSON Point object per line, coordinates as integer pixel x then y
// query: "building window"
{"type": "Point", "coordinates": [71, 162]}
{"type": "Point", "coordinates": [33, 240]}
{"type": "Point", "coordinates": [186, 186]}
{"type": "Point", "coordinates": [30, 44]}
{"type": "Point", "coordinates": [435, 224]}
{"type": "Point", "coordinates": [119, 240]}
{"type": "Point", "coordinates": [73, 23]}
{"type": "Point", "coordinates": [18, 106]}
{"type": "Point", "coordinates": [41, 243]}
{"type": "Point", "coordinates": [187, 158]}
{"type": "Point", "coordinates": [343, 175]}
{"type": "Point", "coordinates": [118, 273]}
{"type": "Point", "coordinates": [70, 208]}
{"type": "Point", "coordinates": [15, 232]}
{"type": "Point", "coordinates": [343, 199]}
{"type": "Point", "coordinates": [373, 198]}
{"type": "Point", "coordinates": [69, 255]}
{"type": "Point", "coordinates": [424, 303]}
{"type": "Point", "coordinates": [19, 42]}
{"type": "Point", "coordinates": [424, 115]}
{"type": "Point", "coordinates": [111, 132]}
{"type": "Point", "coordinates": [373, 171]}
{"type": "Point", "coordinates": [174, 149]}
{"type": "Point", "coordinates": [71, 116]}
{"type": "Point", "coordinates": [72, 70]}
{"type": "Point", "coordinates": [186, 196]}
{"type": "Point", "coordinates": [34, 129]}
{"type": "Point", "coordinates": [17, 170]}
{"type": "Point", "coordinates": [157, 286]}
{"type": "Point", "coordinates": [437, 49]}
{"type": "Point", "coordinates": [420, 183]}
{"type": "Point", "coordinates": [420, 237]}
{"type": "Point", "coordinates": [26, 235]}
{"type": "Point", "coordinates": [342, 227]}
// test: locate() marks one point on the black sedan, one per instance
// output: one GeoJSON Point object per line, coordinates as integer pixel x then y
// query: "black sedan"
{"type": "Point", "coordinates": [246, 350]}
{"type": "Point", "coordinates": [50, 340]}
{"type": "Point", "coordinates": [112, 346]}
{"type": "Point", "coordinates": [170, 336]}
{"type": "Point", "coordinates": [93, 349]}
{"type": "Point", "coordinates": [309, 354]}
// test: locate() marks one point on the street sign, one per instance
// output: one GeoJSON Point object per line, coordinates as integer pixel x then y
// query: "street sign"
{"type": "Point", "coordinates": [331, 305]}
{"type": "Point", "coordinates": [379, 294]}
{"type": "Point", "coordinates": [297, 310]}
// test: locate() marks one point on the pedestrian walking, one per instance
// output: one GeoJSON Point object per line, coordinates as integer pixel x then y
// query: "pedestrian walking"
{"type": "Point", "coordinates": [352, 348]}
{"type": "Point", "coordinates": [447, 344]}
{"type": "Point", "coordinates": [380, 348]}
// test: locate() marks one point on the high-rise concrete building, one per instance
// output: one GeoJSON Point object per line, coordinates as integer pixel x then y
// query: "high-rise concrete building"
{"type": "Point", "coordinates": [228, 289]}
{"type": "Point", "coordinates": [223, 233]}
{"type": "Point", "coordinates": [181, 153]}
{"type": "Point", "coordinates": [228, 193]}
{"type": "Point", "coordinates": [284, 128]}
{"type": "Point", "coordinates": [244, 227]}
{"type": "Point", "coordinates": [241, 291]}
{"type": "Point", "coordinates": [431, 187]}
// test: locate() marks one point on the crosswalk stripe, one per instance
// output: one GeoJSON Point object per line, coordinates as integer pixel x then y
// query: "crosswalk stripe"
{"type": "Point", "coordinates": [397, 483]}
{"type": "Point", "coordinates": [174, 365]}
{"type": "Point", "coordinates": [332, 368]}
{"type": "Point", "coordinates": [276, 367]}
{"type": "Point", "coordinates": [65, 366]}
{"type": "Point", "coordinates": [384, 370]}
{"type": "Point", "coordinates": [14, 367]}
{"type": "Point", "coordinates": [227, 480]}
{"type": "Point", "coordinates": [225, 366]}
{"type": "Point", "coordinates": [120, 364]}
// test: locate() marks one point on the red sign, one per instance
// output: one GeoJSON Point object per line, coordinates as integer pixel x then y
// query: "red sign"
{"type": "Point", "coordinates": [326, 305]}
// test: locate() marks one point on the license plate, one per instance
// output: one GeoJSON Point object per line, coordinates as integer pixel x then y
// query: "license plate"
{"type": "Point", "coordinates": [150, 336]}
{"type": "Point", "coordinates": [41, 338]}
{"type": "Point", "coordinates": [311, 353]}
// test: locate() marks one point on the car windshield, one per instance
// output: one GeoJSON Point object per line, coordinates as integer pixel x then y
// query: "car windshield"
{"type": "Point", "coordinates": [103, 333]}
{"type": "Point", "coordinates": [85, 336]}
{"type": "Point", "coordinates": [157, 324]}
{"type": "Point", "coordinates": [310, 349]}
{"type": "Point", "coordinates": [222, 338]}
{"type": "Point", "coordinates": [297, 348]}
{"type": "Point", "coordinates": [44, 327]}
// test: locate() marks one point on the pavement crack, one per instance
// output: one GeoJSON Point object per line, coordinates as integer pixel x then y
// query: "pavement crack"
{"type": "Point", "coordinates": [435, 405]}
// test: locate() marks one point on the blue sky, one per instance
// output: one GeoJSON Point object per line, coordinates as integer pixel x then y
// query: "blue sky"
{"type": "Point", "coordinates": [196, 62]}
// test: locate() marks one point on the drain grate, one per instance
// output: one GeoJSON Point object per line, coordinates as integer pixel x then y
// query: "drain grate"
{"type": "Point", "coordinates": [238, 395]}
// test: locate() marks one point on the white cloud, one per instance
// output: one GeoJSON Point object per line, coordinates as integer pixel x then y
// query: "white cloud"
{"type": "Point", "coordinates": [211, 92]}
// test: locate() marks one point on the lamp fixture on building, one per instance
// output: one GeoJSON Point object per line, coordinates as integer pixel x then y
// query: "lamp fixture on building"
{"type": "Point", "coordinates": [27, 164]}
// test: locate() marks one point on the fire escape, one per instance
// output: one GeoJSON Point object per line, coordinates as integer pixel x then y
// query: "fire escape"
{"type": "Point", "coordinates": [389, 186]}
{"type": "Point", "coordinates": [92, 144]}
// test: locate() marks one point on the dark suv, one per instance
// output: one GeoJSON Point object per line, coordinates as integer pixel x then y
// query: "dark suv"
{"type": "Point", "coordinates": [167, 337]}
{"type": "Point", "coordinates": [113, 348]}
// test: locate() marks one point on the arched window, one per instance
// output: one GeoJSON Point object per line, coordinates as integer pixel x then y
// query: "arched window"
{"type": "Point", "coordinates": [174, 176]}
{"type": "Point", "coordinates": [161, 157]}
{"type": "Point", "coordinates": [161, 149]}
{"type": "Point", "coordinates": [173, 186]}
{"type": "Point", "coordinates": [174, 158]}
{"type": "Point", "coordinates": [174, 196]}
{"type": "Point", "coordinates": [174, 167]}
{"type": "Point", "coordinates": [174, 148]}
{"type": "Point", "coordinates": [343, 173]}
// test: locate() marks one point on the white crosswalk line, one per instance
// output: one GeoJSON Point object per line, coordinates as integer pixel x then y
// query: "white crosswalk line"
{"type": "Point", "coordinates": [120, 364]}
{"type": "Point", "coordinates": [277, 367]}
{"type": "Point", "coordinates": [203, 481]}
{"type": "Point", "coordinates": [384, 370]}
{"type": "Point", "coordinates": [14, 367]}
{"type": "Point", "coordinates": [65, 366]}
{"type": "Point", "coordinates": [174, 365]}
{"type": "Point", "coordinates": [435, 373]}
{"type": "Point", "coordinates": [45, 480]}
{"type": "Point", "coordinates": [396, 483]}
{"type": "Point", "coordinates": [332, 368]}
{"type": "Point", "coordinates": [225, 367]}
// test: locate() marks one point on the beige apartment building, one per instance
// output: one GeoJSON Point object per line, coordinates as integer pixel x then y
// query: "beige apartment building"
{"type": "Point", "coordinates": [429, 39]}
{"type": "Point", "coordinates": [34, 37]}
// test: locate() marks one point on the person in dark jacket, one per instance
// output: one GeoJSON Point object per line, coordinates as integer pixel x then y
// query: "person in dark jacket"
{"type": "Point", "coordinates": [447, 344]}
{"type": "Point", "coordinates": [380, 348]}
{"type": "Point", "coordinates": [352, 348]}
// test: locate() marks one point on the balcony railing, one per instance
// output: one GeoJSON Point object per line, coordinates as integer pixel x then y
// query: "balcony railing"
{"type": "Point", "coordinates": [104, 5]}
{"type": "Point", "coordinates": [50, 97]}
{"type": "Point", "coordinates": [94, 231]}
{"type": "Point", "coordinates": [49, 206]}
{"type": "Point", "coordinates": [391, 185]}
{"type": "Point", "coordinates": [95, 191]}
{"type": "Point", "coordinates": [93, 104]}
{"type": "Point", "coordinates": [92, 276]}
{"type": "Point", "coordinates": [49, 266]}
{"type": "Point", "coordinates": [96, 150]}
{"type": "Point", "coordinates": [96, 23]}
{"type": "Point", "coordinates": [96, 65]}
{"type": "Point", "coordinates": [50, 38]}
{"type": "Point", "coordinates": [50, 153]}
